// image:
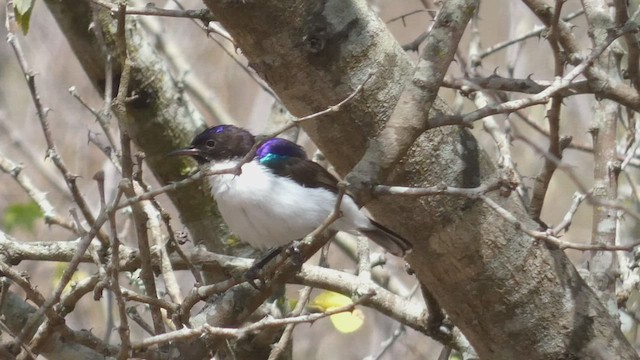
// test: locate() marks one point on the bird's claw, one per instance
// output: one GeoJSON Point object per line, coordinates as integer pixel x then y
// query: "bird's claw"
{"type": "Point", "coordinates": [254, 277]}
{"type": "Point", "coordinates": [293, 251]}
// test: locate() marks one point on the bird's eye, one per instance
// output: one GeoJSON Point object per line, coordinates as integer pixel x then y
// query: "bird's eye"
{"type": "Point", "coordinates": [210, 144]}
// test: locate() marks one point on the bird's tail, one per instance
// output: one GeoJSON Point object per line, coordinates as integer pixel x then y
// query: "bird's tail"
{"type": "Point", "coordinates": [392, 242]}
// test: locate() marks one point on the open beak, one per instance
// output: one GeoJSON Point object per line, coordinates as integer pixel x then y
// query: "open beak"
{"type": "Point", "coordinates": [185, 152]}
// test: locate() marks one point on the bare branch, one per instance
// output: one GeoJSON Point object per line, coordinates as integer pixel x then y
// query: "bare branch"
{"type": "Point", "coordinates": [541, 98]}
{"type": "Point", "coordinates": [150, 9]}
{"type": "Point", "coordinates": [243, 331]}
{"type": "Point", "coordinates": [51, 217]}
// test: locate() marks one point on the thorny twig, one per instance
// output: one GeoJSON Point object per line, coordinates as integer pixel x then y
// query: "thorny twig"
{"type": "Point", "coordinates": [540, 98]}
{"type": "Point", "coordinates": [287, 334]}
{"type": "Point", "coordinates": [150, 9]}
{"type": "Point", "coordinates": [39, 197]}
{"type": "Point", "coordinates": [244, 331]}
{"type": "Point", "coordinates": [543, 179]}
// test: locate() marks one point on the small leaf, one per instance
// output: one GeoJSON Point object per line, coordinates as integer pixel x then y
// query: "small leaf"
{"type": "Point", "coordinates": [23, 9]}
{"type": "Point", "coordinates": [348, 322]}
{"type": "Point", "coordinates": [76, 277]}
{"type": "Point", "coordinates": [22, 6]}
{"type": "Point", "coordinates": [187, 170]}
{"type": "Point", "coordinates": [22, 215]}
{"type": "Point", "coordinates": [232, 240]}
{"type": "Point", "coordinates": [329, 300]}
{"type": "Point", "coordinates": [345, 322]}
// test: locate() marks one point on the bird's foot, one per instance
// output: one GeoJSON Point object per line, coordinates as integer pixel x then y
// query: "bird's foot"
{"type": "Point", "coordinates": [293, 251]}
{"type": "Point", "coordinates": [254, 275]}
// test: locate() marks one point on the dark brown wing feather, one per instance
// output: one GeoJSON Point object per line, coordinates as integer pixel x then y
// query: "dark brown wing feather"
{"type": "Point", "coordinates": [306, 173]}
{"type": "Point", "coordinates": [310, 174]}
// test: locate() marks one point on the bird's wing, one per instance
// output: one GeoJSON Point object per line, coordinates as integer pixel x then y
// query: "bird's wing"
{"type": "Point", "coordinates": [288, 159]}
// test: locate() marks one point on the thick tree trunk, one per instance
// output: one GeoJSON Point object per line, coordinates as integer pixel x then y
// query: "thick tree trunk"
{"type": "Point", "coordinates": [513, 297]}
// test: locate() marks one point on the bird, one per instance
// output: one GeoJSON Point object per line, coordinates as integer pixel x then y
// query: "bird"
{"type": "Point", "coordinates": [280, 195]}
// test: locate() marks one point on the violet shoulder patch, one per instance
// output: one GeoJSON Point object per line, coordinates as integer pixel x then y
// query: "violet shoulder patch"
{"type": "Point", "coordinates": [276, 150]}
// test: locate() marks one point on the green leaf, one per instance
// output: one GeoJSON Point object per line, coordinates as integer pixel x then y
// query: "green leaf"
{"type": "Point", "coordinates": [21, 215]}
{"type": "Point", "coordinates": [23, 9]}
{"type": "Point", "coordinates": [22, 6]}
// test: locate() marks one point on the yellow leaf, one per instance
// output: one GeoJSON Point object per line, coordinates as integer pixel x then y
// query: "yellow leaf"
{"type": "Point", "coordinates": [345, 322]}
{"type": "Point", "coordinates": [329, 300]}
{"type": "Point", "coordinates": [348, 322]}
{"type": "Point", "coordinates": [77, 276]}
{"type": "Point", "coordinates": [232, 241]}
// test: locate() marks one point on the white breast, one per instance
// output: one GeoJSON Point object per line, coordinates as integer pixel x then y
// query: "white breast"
{"type": "Point", "coordinates": [266, 210]}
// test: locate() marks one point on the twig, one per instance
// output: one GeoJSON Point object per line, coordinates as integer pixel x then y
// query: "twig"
{"type": "Point", "coordinates": [436, 318]}
{"type": "Point", "coordinates": [442, 189]}
{"type": "Point", "coordinates": [144, 299]}
{"type": "Point", "coordinates": [364, 260]}
{"type": "Point", "coordinates": [498, 83]}
{"type": "Point", "coordinates": [543, 179]}
{"type": "Point", "coordinates": [135, 316]}
{"type": "Point", "coordinates": [113, 272]}
{"type": "Point", "coordinates": [175, 57]}
{"type": "Point", "coordinates": [201, 293]}
{"type": "Point", "coordinates": [235, 58]}
{"type": "Point", "coordinates": [150, 9]}
{"type": "Point", "coordinates": [540, 98]}
{"type": "Point", "coordinates": [232, 333]}
{"type": "Point", "coordinates": [415, 44]}
{"type": "Point", "coordinates": [506, 166]}
{"type": "Point", "coordinates": [603, 130]}
{"type": "Point", "coordinates": [564, 225]}
{"type": "Point", "coordinates": [146, 275]}
{"type": "Point", "coordinates": [52, 152]}
{"type": "Point", "coordinates": [70, 179]}
{"type": "Point", "coordinates": [386, 302]}
{"type": "Point", "coordinates": [108, 151]}
{"type": "Point", "coordinates": [78, 290]}
{"type": "Point", "coordinates": [611, 204]}
{"type": "Point", "coordinates": [635, 162]}
{"type": "Point", "coordinates": [404, 16]}
{"type": "Point", "coordinates": [551, 239]}
{"type": "Point", "coordinates": [154, 213]}
{"type": "Point", "coordinates": [631, 152]}
{"type": "Point", "coordinates": [535, 32]}
{"type": "Point", "coordinates": [139, 215]}
{"type": "Point", "coordinates": [100, 117]}
{"type": "Point", "coordinates": [39, 197]}
{"type": "Point", "coordinates": [33, 158]}
{"type": "Point", "coordinates": [35, 296]}
{"type": "Point", "coordinates": [386, 344]}
{"type": "Point", "coordinates": [285, 339]}
{"type": "Point", "coordinates": [600, 79]}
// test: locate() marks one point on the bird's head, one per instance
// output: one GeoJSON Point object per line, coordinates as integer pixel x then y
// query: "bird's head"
{"type": "Point", "coordinates": [218, 143]}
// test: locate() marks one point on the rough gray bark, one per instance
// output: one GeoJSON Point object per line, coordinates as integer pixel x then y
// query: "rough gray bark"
{"type": "Point", "coordinates": [513, 297]}
{"type": "Point", "coordinates": [603, 265]}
